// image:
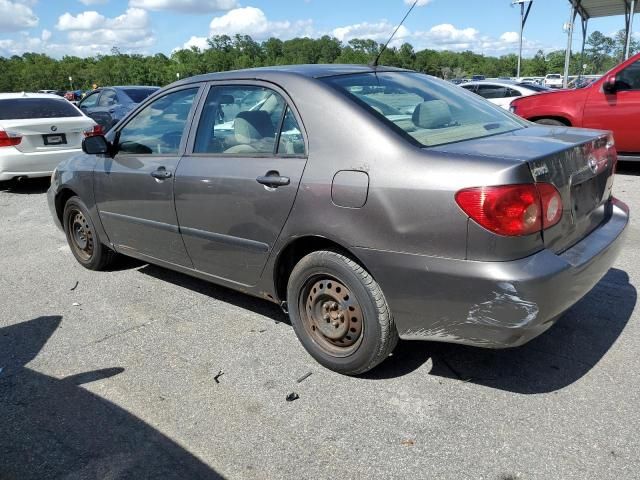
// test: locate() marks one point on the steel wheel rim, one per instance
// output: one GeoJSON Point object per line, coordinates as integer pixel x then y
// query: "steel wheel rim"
{"type": "Point", "coordinates": [81, 235]}
{"type": "Point", "coordinates": [331, 315]}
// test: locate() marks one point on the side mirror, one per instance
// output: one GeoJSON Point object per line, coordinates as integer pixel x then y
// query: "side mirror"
{"type": "Point", "coordinates": [96, 145]}
{"type": "Point", "coordinates": [610, 84]}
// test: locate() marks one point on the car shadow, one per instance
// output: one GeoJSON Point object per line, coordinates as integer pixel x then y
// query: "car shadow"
{"type": "Point", "coordinates": [53, 428]}
{"type": "Point", "coordinates": [217, 292]}
{"type": "Point", "coordinates": [554, 360]}
{"type": "Point", "coordinates": [28, 186]}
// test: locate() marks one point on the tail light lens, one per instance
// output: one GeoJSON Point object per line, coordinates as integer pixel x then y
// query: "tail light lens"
{"type": "Point", "coordinates": [512, 210]}
{"type": "Point", "coordinates": [9, 139]}
{"type": "Point", "coordinates": [94, 131]}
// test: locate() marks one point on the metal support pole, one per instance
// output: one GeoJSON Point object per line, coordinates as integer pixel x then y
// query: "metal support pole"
{"type": "Point", "coordinates": [523, 20]}
{"type": "Point", "coordinates": [629, 28]}
{"type": "Point", "coordinates": [585, 24]}
{"type": "Point", "coordinates": [567, 58]}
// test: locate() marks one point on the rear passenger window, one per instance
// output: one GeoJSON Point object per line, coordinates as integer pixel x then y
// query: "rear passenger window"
{"type": "Point", "coordinates": [291, 141]}
{"type": "Point", "coordinates": [492, 91]}
{"type": "Point", "coordinates": [244, 120]}
{"type": "Point", "coordinates": [158, 128]}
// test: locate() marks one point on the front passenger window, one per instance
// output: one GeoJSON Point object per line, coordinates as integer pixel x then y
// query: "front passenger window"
{"type": "Point", "coordinates": [158, 128]}
{"type": "Point", "coordinates": [629, 78]}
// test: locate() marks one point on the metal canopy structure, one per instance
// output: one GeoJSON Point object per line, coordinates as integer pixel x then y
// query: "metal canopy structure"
{"type": "Point", "coordinates": [588, 9]}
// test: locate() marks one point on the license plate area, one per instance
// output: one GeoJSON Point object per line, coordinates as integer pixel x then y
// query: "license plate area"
{"type": "Point", "coordinates": [588, 195]}
{"type": "Point", "coordinates": [54, 139]}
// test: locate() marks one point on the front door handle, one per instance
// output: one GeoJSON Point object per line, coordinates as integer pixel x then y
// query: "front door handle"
{"type": "Point", "coordinates": [273, 180]}
{"type": "Point", "coordinates": [161, 173]}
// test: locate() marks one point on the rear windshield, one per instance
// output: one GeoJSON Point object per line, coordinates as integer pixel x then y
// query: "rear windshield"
{"type": "Point", "coordinates": [553, 76]}
{"type": "Point", "coordinates": [426, 110]}
{"type": "Point", "coordinates": [23, 108]}
{"type": "Point", "coordinates": [139, 94]}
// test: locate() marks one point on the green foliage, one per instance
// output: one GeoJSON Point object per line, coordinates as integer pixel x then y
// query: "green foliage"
{"type": "Point", "coordinates": [34, 71]}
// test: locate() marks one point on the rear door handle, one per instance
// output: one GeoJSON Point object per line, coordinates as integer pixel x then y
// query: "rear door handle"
{"type": "Point", "coordinates": [273, 180]}
{"type": "Point", "coordinates": [161, 173]}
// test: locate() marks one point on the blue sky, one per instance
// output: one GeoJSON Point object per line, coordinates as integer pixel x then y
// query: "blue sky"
{"type": "Point", "coordinates": [89, 27]}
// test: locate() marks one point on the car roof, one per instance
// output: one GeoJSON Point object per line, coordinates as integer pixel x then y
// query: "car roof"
{"type": "Point", "coordinates": [309, 71]}
{"type": "Point", "coordinates": [10, 96]}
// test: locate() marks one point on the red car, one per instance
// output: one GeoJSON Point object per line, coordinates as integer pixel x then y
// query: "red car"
{"type": "Point", "coordinates": [611, 103]}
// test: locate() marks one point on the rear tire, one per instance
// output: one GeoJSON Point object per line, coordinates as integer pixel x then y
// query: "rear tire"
{"type": "Point", "coordinates": [550, 121]}
{"type": "Point", "coordinates": [83, 238]}
{"type": "Point", "coordinates": [339, 313]}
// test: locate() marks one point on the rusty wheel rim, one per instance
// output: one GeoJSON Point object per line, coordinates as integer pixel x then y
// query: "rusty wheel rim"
{"type": "Point", "coordinates": [332, 315]}
{"type": "Point", "coordinates": [81, 235]}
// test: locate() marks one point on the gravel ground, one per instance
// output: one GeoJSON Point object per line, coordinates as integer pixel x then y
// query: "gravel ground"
{"type": "Point", "coordinates": [113, 375]}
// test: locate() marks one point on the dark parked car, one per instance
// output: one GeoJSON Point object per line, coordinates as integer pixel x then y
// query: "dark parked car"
{"type": "Point", "coordinates": [108, 105]}
{"type": "Point", "coordinates": [459, 222]}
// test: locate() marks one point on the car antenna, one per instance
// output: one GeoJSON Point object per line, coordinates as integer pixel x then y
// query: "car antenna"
{"type": "Point", "coordinates": [374, 64]}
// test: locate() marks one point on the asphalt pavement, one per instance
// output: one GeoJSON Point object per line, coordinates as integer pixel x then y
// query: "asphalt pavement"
{"type": "Point", "coordinates": [144, 373]}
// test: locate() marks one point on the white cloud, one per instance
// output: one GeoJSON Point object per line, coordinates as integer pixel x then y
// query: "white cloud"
{"type": "Point", "coordinates": [421, 3]}
{"type": "Point", "coordinates": [93, 2]}
{"type": "Point", "coordinates": [46, 35]}
{"type": "Point", "coordinates": [16, 16]}
{"type": "Point", "coordinates": [198, 42]}
{"type": "Point", "coordinates": [252, 21]}
{"type": "Point", "coordinates": [380, 31]}
{"type": "Point", "coordinates": [132, 19]}
{"type": "Point", "coordinates": [186, 6]}
{"type": "Point", "coordinates": [510, 37]}
{"type": "Point", "coordinates": [94, 33]}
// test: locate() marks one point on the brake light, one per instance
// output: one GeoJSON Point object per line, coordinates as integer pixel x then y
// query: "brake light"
{"type": "Point", "coordinates": [9, 139]}
{"type": "Point", "coordinates": [94, 131]}
{"type": "Point", "coordinates": [512, 210]}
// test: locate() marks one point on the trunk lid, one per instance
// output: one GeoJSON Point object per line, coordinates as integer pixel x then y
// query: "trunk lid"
{"type": "Point", "coordinates": [48, 134]}
{"type": "Point", "coordinates": [580, 163]}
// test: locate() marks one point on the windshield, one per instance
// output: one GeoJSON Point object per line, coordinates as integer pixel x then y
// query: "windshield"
{"type": "Point", "coordinates": [424, 109]}
{"type": "Point", "coordinates": [23, 108]}
{"type": "Point", "coordinates": [139, 94]}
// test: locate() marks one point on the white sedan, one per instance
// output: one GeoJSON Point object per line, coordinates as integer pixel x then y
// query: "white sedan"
{"type": "Point", "coordinates": [37, 132]}
{"type": "Point", "coordinates": [502, 93]}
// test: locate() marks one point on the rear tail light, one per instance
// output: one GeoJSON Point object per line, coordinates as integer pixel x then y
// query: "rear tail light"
{"type": "Point", "coordinates": [512, 210]}
{"type": "Point", "coordinates": [9, 139]}
{"type": "Point", "coordinates": [94, 131]}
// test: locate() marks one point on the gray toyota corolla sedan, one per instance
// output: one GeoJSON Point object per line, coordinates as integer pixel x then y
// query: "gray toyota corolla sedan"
{"type": "Point", "coordinates": [371, 203]}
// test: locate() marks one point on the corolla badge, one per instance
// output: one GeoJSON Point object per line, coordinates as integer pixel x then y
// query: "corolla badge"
{"type": "Point", "coordinates": [54, 128]}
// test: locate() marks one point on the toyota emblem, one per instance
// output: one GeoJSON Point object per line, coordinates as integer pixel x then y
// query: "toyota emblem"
{"type": "Point", "coordinates": [54, 128]}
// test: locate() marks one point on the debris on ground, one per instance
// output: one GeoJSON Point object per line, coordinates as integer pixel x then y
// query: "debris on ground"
{"type": "Point", "coordinates": [75, 286]}
{"type": "Point", "coordinates": [292, 396]}
{"type": "Point", "coordinates": [408, 442]}
{"type": "Point", "coordinates": [75, 304]}
{"type": "Point", "coordinates": [220, 373]}
{"type": "Point", "coordinates": [262, 330]}
{"type": "Point", "coordinates": [304, 377]}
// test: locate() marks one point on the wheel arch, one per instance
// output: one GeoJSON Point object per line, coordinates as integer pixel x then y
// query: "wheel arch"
{"type": "Point", "coordinates": [558, 118]}
{"type": "Point", "coordinates": [61, 199]}
{"type": "Point", "coordinates": [295, 250]}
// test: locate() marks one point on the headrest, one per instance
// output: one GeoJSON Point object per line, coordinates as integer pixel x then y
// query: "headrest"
{"type": "Point", "coordinates": [432, 114]}
{"type": "Point", "coordinates": [253, 125]}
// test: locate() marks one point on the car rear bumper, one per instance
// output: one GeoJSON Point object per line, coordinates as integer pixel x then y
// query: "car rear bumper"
{"type": "Point", "coordinates": [493, 304]}
{"type": "Point", "coordinates": [14, 163]}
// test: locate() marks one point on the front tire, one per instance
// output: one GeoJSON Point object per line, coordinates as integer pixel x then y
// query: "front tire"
{"type": "Point", "coordinates": [83, 238]}
{"type": "Point", "coordinates": [339, 313]}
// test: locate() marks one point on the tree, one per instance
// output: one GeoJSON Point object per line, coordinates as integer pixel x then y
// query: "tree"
{"type": "Point", "coordinates": [600, 49]}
